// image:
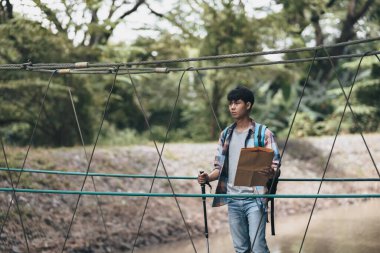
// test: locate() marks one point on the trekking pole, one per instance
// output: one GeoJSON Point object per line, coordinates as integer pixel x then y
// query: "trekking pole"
{"type": "Point", "coordinates": [205, 213]}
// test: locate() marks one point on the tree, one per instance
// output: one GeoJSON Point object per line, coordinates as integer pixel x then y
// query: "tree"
{"type": "Point", "coordinates": [197, 28]}
{"type": "Point", "coordinates": [158, 90]}
{"type": "Point", "coordinates": [324, 22]}
{"type": "Point", "coordinates": [21, 92]}
{"type": "Point", "coordinates": [218, 27]}
{"type": "Point", "coordinates": [98, 18]}
{"type": "Point", "coordinates": [6, 11]}
{"type": "Point", "coordinates": [307, 22]}
{"type": "Point", "coordinates": [24, 40]}
{"type": "Point", "coordinates": [347, 15]}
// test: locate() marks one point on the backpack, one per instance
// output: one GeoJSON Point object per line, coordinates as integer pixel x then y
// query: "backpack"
{"type": "Point", "coordinates": [259, 140]}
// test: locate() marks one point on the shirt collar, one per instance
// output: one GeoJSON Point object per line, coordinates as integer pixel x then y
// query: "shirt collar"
{"type": "Point", "coordinates": [253, 124]}
{"type": "Point", "coordinates": [251, 127]}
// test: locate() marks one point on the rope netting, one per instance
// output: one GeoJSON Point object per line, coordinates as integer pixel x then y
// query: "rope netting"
{"type": "Point", "coordinates": [133, 68]}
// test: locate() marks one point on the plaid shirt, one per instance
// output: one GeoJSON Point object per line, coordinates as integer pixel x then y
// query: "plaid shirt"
{"type": "Point", "coordinates": [221, 163]}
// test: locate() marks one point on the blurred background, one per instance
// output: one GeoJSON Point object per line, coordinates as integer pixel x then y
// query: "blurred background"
{"type": "Point", "coordinates": [125, 31]}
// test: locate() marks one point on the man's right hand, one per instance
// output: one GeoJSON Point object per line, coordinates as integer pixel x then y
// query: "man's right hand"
{"type": "Point", "coordinates": [203, 178]}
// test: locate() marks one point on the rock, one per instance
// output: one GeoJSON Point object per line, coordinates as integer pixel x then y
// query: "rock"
{"type": "Point", "coordinates": [16, 249]}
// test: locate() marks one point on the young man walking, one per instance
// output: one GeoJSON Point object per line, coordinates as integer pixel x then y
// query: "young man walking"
{"type": "Point", "coordinates": [246, 215]}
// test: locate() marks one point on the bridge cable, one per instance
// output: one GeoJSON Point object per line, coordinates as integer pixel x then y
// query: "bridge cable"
{"type": "Point", "coordinates": [27, 152]}
{"type": "Point", "coordinates": [92, 177]}
{"type": "Point", "coordinates": [191, 195]}
{"type": "Point", "coordinates": [133, 71]}
{"type": "Point", "coordinates": [90, 160]}
{"type": "Point", "coordinates": [191, 59]}
{"type": "Point", "coordinates": [356, 121]}
{"type": "Point", "coordinates": [286, 141]}
{"type": "Point", "coordinates": [208, 100]}
{"type": "Point", "coordinates": [145, 176]}
{"type": "Point", "coordinates": [333, 145]}
{"type": "Point", "coordinates": [160, 157]}
{"type": "Point", "coordinates": [14, 196]}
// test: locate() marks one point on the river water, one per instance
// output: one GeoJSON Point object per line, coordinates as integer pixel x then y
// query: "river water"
{"type": "Point", "coordinates": [346, 229]}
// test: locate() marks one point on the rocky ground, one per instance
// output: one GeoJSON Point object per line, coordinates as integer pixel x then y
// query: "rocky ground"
{"type": "Point", "coordinates": [46, 218]}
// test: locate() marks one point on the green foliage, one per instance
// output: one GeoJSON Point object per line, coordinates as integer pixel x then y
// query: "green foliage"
{"type": "Point", "coordinates": [228, 29]}
{"type": "Point", "coordinates": [366, 97]}
{"type": "Point", "coordinates": [157, 91]}
{"type": "Point", "coordinates": [200, 28]}
{"type": "Point", "coordinates": [110, 136]}
{"type": "Point", "coordinates": [21, 92]}
{"type": "Point", "coordinates": [24, 40]}
{"type": "Point", "coordinates": [57, 125]}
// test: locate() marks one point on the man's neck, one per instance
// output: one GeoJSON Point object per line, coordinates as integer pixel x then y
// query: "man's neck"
{"type": "Point", "coordinates": [242, 124]}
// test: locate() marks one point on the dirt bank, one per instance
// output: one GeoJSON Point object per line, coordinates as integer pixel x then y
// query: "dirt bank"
{"type": "Point", "coordinates": [47, 217]}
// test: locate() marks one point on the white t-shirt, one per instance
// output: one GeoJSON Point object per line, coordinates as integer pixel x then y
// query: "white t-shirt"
{"type": "Point", "coordinates": [236, 144]}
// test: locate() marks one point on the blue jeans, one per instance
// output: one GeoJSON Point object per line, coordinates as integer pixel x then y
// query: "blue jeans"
{"type": "Point", "coordinates": [244, 217]}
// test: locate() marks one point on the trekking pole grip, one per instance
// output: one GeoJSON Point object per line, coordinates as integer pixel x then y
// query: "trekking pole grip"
{"type": "Point", "coordinates": [203, 186]}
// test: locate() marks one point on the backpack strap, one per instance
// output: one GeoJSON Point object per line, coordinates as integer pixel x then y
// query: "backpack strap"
{"type": "Point", "coordinates": [225, 132]}
{"type": "Point", "coordinates": [259, 141]}
{"type": "Point", "coordinates": [259, 137]}
{"type": "Point", "coordinates": [224, 139]}
{"type": "Point", "coordinates": [256, 135]}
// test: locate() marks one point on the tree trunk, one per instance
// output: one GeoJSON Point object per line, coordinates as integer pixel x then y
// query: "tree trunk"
{"type": "Point", "coordinates": [215, 103]}
{"type": "Point", "coordinates": [352, 16]}
{"type": "Point", "coordinates": [6, 11]}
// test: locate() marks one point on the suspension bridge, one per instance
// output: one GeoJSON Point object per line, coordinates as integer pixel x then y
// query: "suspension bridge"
{"type": "Point", "coordinates": [145, 67]}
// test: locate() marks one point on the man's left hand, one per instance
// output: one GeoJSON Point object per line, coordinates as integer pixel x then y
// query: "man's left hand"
{"type": "Point", "coordinates": [269, 171]}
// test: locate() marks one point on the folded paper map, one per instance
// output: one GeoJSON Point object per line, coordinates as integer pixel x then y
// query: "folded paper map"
{"type": "Point", "coordinates": [251, 161]}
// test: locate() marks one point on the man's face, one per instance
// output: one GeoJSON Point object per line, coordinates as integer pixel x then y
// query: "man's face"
{"type": "Point", "coordinates": [239, 109]}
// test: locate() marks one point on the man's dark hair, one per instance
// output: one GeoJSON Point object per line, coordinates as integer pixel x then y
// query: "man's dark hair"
{"type": "Point", "coordinates": [243, 93]}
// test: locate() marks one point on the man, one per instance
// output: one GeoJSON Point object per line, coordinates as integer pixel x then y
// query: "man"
{"type": "Point", "coordinates": [245, 215]}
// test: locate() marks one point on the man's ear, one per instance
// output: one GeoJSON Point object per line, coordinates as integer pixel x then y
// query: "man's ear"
{"type": "Point", "coordinates": [249, 106]}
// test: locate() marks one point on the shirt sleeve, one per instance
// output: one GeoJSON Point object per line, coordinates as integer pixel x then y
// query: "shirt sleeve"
{"type": "Point", "coordinates": [219, 157]}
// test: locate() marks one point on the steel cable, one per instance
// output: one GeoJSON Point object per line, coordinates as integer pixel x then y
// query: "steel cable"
{"type": "Point", "coordinates": [28, 149]}
{"type": "Point", "coordinates": [352, 111]}
{"type": "Point", "coordinates": [120, 175]}
{"type": "Point", "coordinates": [87, 160]}
{"type": "Point", "coordinates": [14, 196]}
{"type": "Point", "coordinates": [64, 69]}
{"type": "Point", "coordinates": [191, 195]}
{"type": "Point", "coordinates": [209, 100]}
{"type": "Point", "coordinates": [286, 141]}
{"type": "Point", "coordinates": [90, 160]}
{"type": "Point", "coordinates": [160, 156]}
{"type": "Point", "coordinates": [332, 147]}
{"type": "Point", "coordinates": [203, 58]}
